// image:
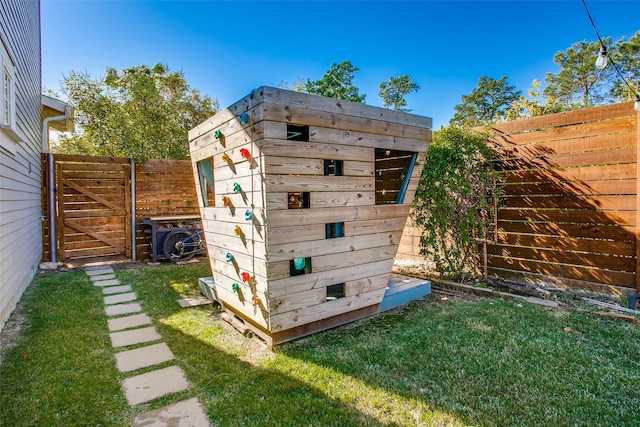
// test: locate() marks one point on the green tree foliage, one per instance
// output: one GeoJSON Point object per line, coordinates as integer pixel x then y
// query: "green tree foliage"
{"type": "Point", "coordinates": [486, 104]}
{"type": "Point", "coordinates": [139, 112]}
{"type": "Point", "coordinates": [626, 56]}
{"type": "Point", "coordinates": [578, 84]}
{"type": "Point", "coordinates": [454, 200]}
{"type": "Point", "coordinates": [337, 82]}
{"type": "Point", "coordinates": [394, 90]}
{"type": "Point", "coordinates": [534, 106]}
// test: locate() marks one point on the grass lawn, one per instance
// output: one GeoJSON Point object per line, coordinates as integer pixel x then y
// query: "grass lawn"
{"type": "Point", "coordinates": [463, 361]}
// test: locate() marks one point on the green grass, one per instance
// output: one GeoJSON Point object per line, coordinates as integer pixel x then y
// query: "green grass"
{"type": "Point", "coordinates": [456, 362]}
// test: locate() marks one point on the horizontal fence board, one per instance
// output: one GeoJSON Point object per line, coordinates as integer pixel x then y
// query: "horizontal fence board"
{"type": "Point", "coordinates": [588, 173]}
{"type": "Point", "coordinates": [618, 218]}
{"type": "Point", "coordinates": [624, 186]}
{"type": "Point", "coordinates": [599, 246]}
{"type": "Point", "coordinates": [589, 231]}
{"type": "Point", "coordinates": [609, 157]}
{"type": "Point", "coordinates": [611, 202]}
{"type": "Point", "coordinates": [569, 146]}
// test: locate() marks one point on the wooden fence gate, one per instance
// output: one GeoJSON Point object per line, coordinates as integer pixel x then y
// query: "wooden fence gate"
{"type": "Point", "coordinates": [92, 200]}
{"type": "Point", "coordinates": [99, 202]}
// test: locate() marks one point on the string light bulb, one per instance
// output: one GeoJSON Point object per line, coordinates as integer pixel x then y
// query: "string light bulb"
{"type": "Point", "coordinates": [602, 61]}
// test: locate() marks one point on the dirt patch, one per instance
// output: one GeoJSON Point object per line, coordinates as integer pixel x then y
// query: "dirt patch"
{"type": "Point", "coordinates": [10, 335]}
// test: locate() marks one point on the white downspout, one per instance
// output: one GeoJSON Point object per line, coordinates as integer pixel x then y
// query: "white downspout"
{"type": "Point", "coordinates": [50, 179]}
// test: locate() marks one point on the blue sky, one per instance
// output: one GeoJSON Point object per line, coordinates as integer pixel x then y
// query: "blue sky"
{"type": "Point", "coordinates": [227, 48]}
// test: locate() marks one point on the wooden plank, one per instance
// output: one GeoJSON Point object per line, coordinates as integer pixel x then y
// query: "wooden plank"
{"type": "Point", "coordinates": [90, 232]}
{"type": "Point", "coordinates": [297, 301]}
{"type": "Point", "coordinates": [568, 230]}
{"type": "Point", "coordinates": [367, 284]}
{"type": "Point", "coordinates": [299, 100]}
{"type": "Point", "coordinates": [619, 218]}
{"type": "Point", "coordinates": [566, 146]}
{"type": "Point", "coordinates": [565, 271]}
{"type": "Point", "coordinates": [327, 215]}
{"type": "Point", "coordinates": [587, 173]}
{"type": "Point", "coordinates": [207, 145]}
{"type": "Point", "coordinates": [618, 156]}
{"type": "Point", "coordinates": [637, 158]}
{"type": "Point", "coordinates": [63, 158]}
{"type": "Point", "coordinates": [328, 309]}
{"type": "Point", "coordinates": [295, 234]}
{"type": "Point", "coordinates": [247, 102]}
{"type": "Point", "coordinates": [281, 283]}
{"type": "Point", "coordinates": [245, 308]}
{"type": "Point", "coordinates": [92, 195]}
{"type": "Point", "coordinates": [620, 248]}
{"type": "Point", "coordinates": [560, 119]}
{"type": "Point", "coordinates": [314, 150]}
{"type": "Point", "coordinates": [608, 262]}
{"type": "Point", "coordinates": [575, 130]}
{"type": "Point", "coordinates": [366, 139]}
{"type": "Point", "coordinates": [345, 245]}
{"type": "Point", "coordinates": [626, 186]}
{"type": "Point", "coordinates": [610, 202]}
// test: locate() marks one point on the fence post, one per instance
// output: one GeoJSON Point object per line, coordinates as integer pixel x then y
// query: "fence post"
{"type": "Point", "coordinates": [132, 183]}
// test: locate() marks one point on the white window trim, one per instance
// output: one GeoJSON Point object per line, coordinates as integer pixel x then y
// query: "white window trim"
{"type": "Point", "coordinates": [9, 137]}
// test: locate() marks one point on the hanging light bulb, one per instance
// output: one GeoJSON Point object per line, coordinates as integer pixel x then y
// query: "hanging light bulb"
{"type": "Point", "coordinates": [602, 60]}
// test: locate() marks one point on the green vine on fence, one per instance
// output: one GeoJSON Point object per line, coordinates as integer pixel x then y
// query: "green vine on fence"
{"type": "Point", "coordinates": [454, 204]}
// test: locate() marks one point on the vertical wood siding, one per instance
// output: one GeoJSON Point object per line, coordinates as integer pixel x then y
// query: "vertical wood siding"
{"type": "Point", "coordinates": [20, 173]}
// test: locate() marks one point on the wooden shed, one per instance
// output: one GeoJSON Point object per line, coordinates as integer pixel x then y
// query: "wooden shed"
{"type": "Point", "coordinates": [303, 200]}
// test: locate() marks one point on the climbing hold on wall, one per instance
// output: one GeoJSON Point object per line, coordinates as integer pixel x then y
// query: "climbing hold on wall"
{"type": "Point", "coordinates": [236, 187]}
{"type": "Point", "coordinates": [229, 257]}
{"type": "Point", "coordinates": [244, 118]}
{"type": "Point", "coordinates": [226, 201]}
{"type": "Point", "coordinates": [256, 300]}
{"type": "Point", "coordinates": [226, 158]}
{"type": "Point", "coordinates": [237, 231]}
{"type": "Point", "coordinates": [245, 153]}
{"type": "Point", "coordinates": [248, 215]}
{"type": "Point", "coordinates": [235, 287]}
{"type": "Point", "coordinates": [245, 277]}
{"type": "Point", "coordinates": [217, 134]}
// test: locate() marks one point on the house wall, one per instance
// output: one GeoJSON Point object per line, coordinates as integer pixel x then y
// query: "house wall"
{"type": "Point", "coordinates": [20, 165]}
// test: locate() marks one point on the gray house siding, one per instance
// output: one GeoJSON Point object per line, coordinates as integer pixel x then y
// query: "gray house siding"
{"type": "Point", "coordinates": [20, 166]}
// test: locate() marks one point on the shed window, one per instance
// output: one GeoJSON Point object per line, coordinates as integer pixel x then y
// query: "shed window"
{"type": "Point", "coordinates": [393, 171]}
{"type": "Point", "coordinates": [333, 167]}
{"type": "Point", "coordinates": [334, 229]}
{"type": "Point", "coordinates": [297, 133]}
{"type": "Point", "coordinates": [335, 291]}
{"type": "Point", "coordinates": [205, 177]}
{"type": "Point", "coordinates": [10, 136]}
{"type": "Point", "coordinates": [299, 200]}
{"type": "Point", "coordinates": [299, 266]}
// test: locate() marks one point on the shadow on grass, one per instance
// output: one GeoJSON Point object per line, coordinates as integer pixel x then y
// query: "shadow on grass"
{"type": "Point", "coordinates": [492, 362]}
{"type": "Point", "coordinates": [238, 381]}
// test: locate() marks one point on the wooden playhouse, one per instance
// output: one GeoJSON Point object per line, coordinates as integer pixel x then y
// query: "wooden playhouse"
{"type": "Point", "coordinates": [303, 201]}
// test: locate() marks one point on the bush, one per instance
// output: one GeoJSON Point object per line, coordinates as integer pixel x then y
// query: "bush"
{"type": "Point", "coordinates": [453, 207]}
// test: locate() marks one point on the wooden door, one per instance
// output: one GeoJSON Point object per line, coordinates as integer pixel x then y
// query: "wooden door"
{"type": "Point", "coordinates": [93, 206]}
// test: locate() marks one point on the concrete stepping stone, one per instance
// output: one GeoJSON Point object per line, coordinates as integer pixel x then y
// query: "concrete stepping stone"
{"type": "Point", "coordinates": [187, 413]}
{"type": "Point", "coordinates": [101, 277]}
{"type": "Point", "coordinates": [116, 289]}
{"type": "Point", "coordinates": [134, 336]}
{"type": "Point", "coordinates": [103, 283]}
{"type": "Point", "coordinates": [118, 298]}
{"type": "Point", "coordinates": [151, 385]}
{"type": "Point", "coordinates": [98, 271]}
{"type": "Point", "coordinates": [143, 357]}
{"type": "Point", "coordinates": [127, 322]}
{"type": "Point", "coordinates": [118, 309]}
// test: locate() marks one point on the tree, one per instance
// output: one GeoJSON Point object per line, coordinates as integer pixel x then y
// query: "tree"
{"type": "Point", "coordinates": [337, 82]}
{"type": "Point", "coordinates": [486, 104]}
{"type": "Point", "coordinates": [579, 83]}
{"type": "Point", "coordinates": [395, 89]}
{"type": "Point", "coordinates": [523, 108]}
{"type": "Point", "coordinates": [453, 205]}
{"type": "Point", "coordinates": [626, 56]}
{"type": "Point", "coordinates": [139, 112]}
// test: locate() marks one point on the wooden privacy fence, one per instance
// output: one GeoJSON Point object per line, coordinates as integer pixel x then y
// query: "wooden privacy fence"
{"type": "Point", "coordinates": [95, 201]}
{"type": "Point", "coordinates": [569, 213]}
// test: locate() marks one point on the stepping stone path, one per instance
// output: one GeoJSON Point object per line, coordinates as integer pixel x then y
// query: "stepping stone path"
{"type": "Point", "coordinates": [129, 326]}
